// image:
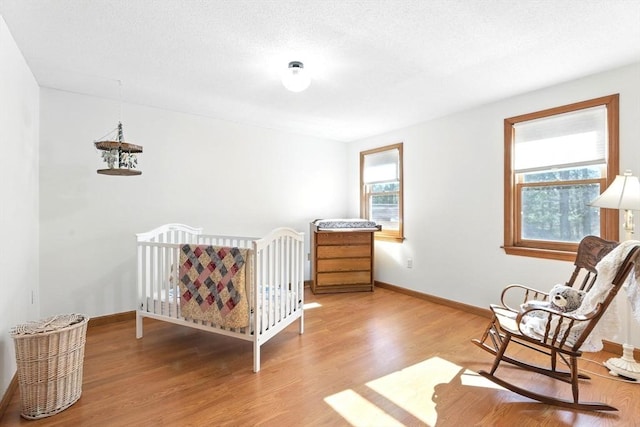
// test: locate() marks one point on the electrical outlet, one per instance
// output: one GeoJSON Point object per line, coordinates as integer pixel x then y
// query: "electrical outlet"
{"type": "Point", "coordinates": [409, 262]}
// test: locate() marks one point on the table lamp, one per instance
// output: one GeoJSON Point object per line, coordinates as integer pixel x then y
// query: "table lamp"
{"type": "Point", "coordinates": [623, 194]}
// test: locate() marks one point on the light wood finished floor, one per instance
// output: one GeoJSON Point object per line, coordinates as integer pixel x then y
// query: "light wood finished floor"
{"type": "Point", "coordinates": [377, 359]}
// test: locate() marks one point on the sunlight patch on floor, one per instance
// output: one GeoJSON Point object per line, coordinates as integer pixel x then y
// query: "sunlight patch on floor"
{"type": "Point", "coordinates": [310, 305]}
{"type": "Point", "coordinates": [413, 388]}
{"type": "Point", "coordinates": [473, 379]}
{"type": "Point", "coordinates": [358, 411]}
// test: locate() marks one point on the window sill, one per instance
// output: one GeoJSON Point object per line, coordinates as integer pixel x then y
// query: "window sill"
{"type": "Point", "coordinates": [540, 253]}
{"type": "Point", "coordinates": [389, 238]}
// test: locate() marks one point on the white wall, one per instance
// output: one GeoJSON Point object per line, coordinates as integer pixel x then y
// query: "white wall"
{"type": "Point", "coordinates": [225, 177]}
{"type": "Point", "coordinates": [18, 198]}
{"type": "Point", "coordinates": [453, 200]}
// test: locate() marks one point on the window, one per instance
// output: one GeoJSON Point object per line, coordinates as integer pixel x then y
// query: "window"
{"type": "Point", "coordinates": [556, 162]}
{"type": "Point", "coordinates": [381, 190]}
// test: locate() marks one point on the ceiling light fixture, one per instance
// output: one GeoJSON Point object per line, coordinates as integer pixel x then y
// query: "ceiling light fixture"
{"type": "Point", "coordinates": [295, 77]}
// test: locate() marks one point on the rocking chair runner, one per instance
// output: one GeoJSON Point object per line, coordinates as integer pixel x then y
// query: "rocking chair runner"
{"type": "Point", "coordinates": [564, 333]}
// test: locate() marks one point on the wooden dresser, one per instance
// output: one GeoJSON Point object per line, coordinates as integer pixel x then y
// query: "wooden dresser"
{"type": "Point", "coordinates": [341, 260]}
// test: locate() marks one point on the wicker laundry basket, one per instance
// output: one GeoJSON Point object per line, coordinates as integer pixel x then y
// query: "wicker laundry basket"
{"type": "Point", "coordinates": [50, 356]}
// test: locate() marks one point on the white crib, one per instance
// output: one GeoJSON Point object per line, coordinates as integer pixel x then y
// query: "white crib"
{"type": "Point", "coordinates": [274, 281]}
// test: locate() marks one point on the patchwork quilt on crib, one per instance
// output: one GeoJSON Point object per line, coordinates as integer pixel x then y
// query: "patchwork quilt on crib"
{"type": "Point", "coordinates": [212, 285]}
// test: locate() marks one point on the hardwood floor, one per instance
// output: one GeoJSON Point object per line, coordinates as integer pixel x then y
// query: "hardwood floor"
{"type": "Point", "coordinates": [377, 359]}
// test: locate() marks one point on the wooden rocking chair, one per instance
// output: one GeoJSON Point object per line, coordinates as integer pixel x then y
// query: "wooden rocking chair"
{"type": "Point", "coordinates": [564, 333]}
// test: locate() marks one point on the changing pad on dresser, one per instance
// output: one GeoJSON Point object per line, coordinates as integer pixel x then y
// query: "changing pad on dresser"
{"type": "Point", "coordinates": [329, 224]}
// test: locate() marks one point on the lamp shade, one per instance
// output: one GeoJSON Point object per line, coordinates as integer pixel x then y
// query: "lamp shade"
{"type": "Point", "coordinates": [623, 193]}
{"type": "Point", "coordinates": [295, 78]}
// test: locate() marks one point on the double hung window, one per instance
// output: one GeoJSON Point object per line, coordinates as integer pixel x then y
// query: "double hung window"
{"type": "Point", "coordinates": [556, 162]}
{"type": "Point", "coordinates": [381, 190]}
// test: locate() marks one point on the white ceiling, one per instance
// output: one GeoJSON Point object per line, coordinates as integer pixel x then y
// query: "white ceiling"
{"type": "Point", "coordinates": [376, 65]}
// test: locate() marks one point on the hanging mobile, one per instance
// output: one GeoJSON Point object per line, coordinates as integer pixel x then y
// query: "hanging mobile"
{"type": "Point", "coordinates": [119, 156]}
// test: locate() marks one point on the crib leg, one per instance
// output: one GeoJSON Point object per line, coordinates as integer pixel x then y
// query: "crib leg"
{"type": "Point", "coordinates": [256, 356]}
{"type": "Point", "coordinates": [138, 325]}
{"type": "Point", "coordinates": [301, 320]}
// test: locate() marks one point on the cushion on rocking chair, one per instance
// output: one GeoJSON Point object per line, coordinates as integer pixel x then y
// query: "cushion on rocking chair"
{"type": "Point", "coordinates": [506, 318]}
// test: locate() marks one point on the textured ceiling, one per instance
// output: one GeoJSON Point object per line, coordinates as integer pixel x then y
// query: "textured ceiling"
{"type": "Point", "coordinates": [376, 65]}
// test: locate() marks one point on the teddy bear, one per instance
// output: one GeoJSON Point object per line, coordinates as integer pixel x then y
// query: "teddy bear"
{"type": "Point", "coordinates": [561, 298]}
{"type": "Point", "coordinates": [565, 298]}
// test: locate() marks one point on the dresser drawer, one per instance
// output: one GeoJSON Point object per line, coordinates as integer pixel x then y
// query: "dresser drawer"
{"type": "Point", "coordinates": [355, 251]}
{"type": "Point", "coordinates": [344, 278]}
{"type": "Point", "coordinates": [349, 238]}
{"type": "Point", "coordinates": [344, 264]}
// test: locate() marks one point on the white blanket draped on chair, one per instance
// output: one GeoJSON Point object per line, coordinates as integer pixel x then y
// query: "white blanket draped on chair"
{"type": "Point", "coordinates": [609, 325]}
